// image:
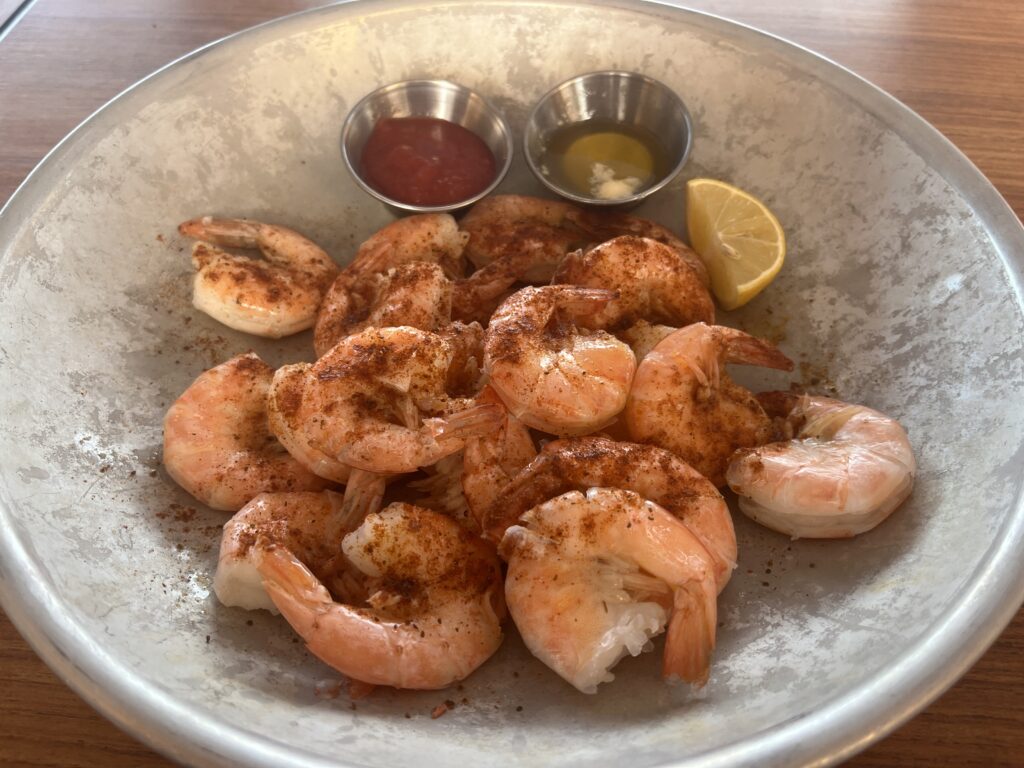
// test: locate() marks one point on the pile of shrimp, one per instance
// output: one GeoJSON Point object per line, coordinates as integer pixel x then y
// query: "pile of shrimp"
{"type": "Point", "coordinates": [523, 414]}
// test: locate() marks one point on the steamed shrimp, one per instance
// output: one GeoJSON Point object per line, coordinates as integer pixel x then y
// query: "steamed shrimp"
{"type": "Point", "coordinates": [310, 525]}
{"type": "Point", "coordinates": [377, 401]}
{"type": "Point", "coordinates": [683, 400]}
{"type": "Point", "coordinates": [579, 463]}
{"type": "Point", "coordinates": [434, 609]}
{"type": "Point", "coordinates": [415, 294]}
{"type": "Point", "coordinates": [503, 225]}
{"type": "Point", "coordinates": [550, 374]}
{"type": "Point", "coordinates": [605, 225]}
{"type": "Point", "coordinates": [594, 577]}
{"type": "Point", "coordinates": [432, 237]}
{"type": "Point", "coordinates": [845, 469]}
{"type": "Point", "coordinates": [654, 281]}
{"type": "Point", "coordinates": [273, 297]}
{"type": "Point", "coordinates": [217, 442]}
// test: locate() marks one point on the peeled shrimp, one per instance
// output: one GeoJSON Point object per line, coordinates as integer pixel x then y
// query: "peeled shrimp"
{"type": "Point", "coordinates": [683, 400]}
{"type": "Point", "coordinates": [433, 237]}
{"type": "Point", "coordinates": [579, 463]}
{"type": "Point", "coordinates": [310, 525]}
{"type": "Point", "coordinates": [604, 225]}
{"type": "Point", "coordinates": [217, 442]}
{"type": "Point", "coordinates": [415, 294]}
{"type": "Point", "coordinates": [434, 609]}
{"type": "Point", "coordinates": [377, 401]}
{"type": "Point", "coordinates": [594, 577]}
{"type": "Point", "coordinates": [504, 225]}
{"type": "Point", "coordinates": [274, 297]}
{"type": "Point", "coordinates": [492, 460]}
{"type": "Point", "coordinates": [550, 374]}
{"type": "Point", "coordinates": [642, 336]}
{"type": "Point", "coordinates": [654, 281]}
{"type": "Point", "coordinates": [845, 470]}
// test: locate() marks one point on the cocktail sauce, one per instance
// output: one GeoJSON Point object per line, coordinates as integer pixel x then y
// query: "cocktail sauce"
{"type": "Point", "coordinates": [426, 161]}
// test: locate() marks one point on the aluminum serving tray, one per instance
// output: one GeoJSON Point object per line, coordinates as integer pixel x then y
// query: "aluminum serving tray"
{"type": "Point", "coordinates": [902, 290]}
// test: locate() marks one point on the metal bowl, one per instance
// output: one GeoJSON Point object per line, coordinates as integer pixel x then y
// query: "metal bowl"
{"type": "Point", "coordinates": [627, 98]}
{"type": "Point", "coordinates": [902, 291]}
{"type": "Point", "coordinates": [426, 98]}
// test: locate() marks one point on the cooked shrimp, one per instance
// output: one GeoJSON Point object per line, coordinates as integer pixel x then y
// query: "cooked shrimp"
{"type": "Point", "coordinates": [492, 460]}
{"type": "Point", "coordinates": [845, 470]}
{"type": "Point", "coordinates": [284, 414]}
{"type": "Point", "coordinates": [654, 281]}
{"type": "Point", "coordinates": [377, 401]}
{"type": "Point", "coordinates": [415, 294]}
{"type": "Point", "coordinates": [310, 525]}
{"type": "Point", "coordinates": [594, 577]}
{"type": "Point", "coordinates": [435, 606]}
{"type": "Point", "coordinates": [274, 297]}
{"type": "Point", "coordinates": [683, 400]}
{"type": "Point", "coordinates": [503, 225]}
{"type": "Point", "coordinates": [466, 342]}
{"type": "Point", "coordinates": [218, 445]}
{"type": "Point", "coordinates": [604, 225]}
{"type": "Point", "coordinates": [433, 237]}
{"type": "Point", "coordinates": [579, 463]}
{"type": "Point", "coordinates": [550, 374]}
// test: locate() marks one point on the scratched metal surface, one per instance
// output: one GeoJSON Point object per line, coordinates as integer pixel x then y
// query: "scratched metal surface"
{"type": "Point", "coordinates": [902, 290]}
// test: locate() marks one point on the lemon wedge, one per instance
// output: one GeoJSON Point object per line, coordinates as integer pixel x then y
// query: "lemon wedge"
{"type": "Point", "coordinates": [740, 241]}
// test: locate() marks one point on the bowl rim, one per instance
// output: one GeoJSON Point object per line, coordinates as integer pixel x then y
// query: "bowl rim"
{"type": "Point", "coordinates": [352, 164]}
{"type": "Point", "coordinates": [618, 201]}
{"type": "Point", "coordinates": [841, 727]}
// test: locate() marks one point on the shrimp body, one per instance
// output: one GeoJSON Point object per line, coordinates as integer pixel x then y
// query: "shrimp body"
{"type": "Point", "coordinates": [217, 442]}
{"type": "Point", "coordinates": [310, 525]}
{"type": "Point", "coordinates": [579, 463]}
{"type": "Point", "coordinates": [377, 401]}
{"type": "Point", "coordinates": [683, 400]}
{"type": "Point", "coordinates": [431, 237]}
{"type": "Point", "coordinates": [592, 577]}
{"type": "Point", "coordinates": [273, 297]}
{"type": "Point", "coordinates": [605, 225]}
{"type": "Point", "coordinates": [654, 281]}
{"type": "Point", "coordinates": [551, 374]}
{"type": "Point", "coordinates": [501, 226]}
{"type": "Point", "coordinates": [434, 609]}
{"type": "Point", "coordinates": [846, 469]}
{"type": "Point", "coordinates": [415, 294]}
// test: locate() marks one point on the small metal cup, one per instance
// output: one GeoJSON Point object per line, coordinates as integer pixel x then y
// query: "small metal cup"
{"type": "Point", "coordinates": [628, 98]}
{"type": "Point", "coordinates": [426, 98]}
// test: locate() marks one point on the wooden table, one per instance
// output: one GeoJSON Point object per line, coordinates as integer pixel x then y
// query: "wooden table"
{"type": "Point", "coordinates": [959, 65]}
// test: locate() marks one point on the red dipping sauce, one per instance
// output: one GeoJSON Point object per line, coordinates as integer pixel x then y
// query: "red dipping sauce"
{"type": "Point", "coordinates": [426, 161]}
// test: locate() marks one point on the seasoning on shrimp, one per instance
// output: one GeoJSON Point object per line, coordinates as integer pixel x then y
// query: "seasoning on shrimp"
{"type": "Point", "coordinates": [845, 469]}
{"type": "Point", "coordinates": [655, 283]}
{"type": "Point", "coordinates": [432, 237]}
{"type": "Point", "coordinates": [435, 604]}
{"type": "Point", "coordinates": [683, 400]}
{"type": "Point", "coordinates": [377, 401]}
{"type": "Point", "coordinates": [217, 441]}
{"type": "Point", "coordinates": [579, 463]}
{"type": "Point", "coordinates": [273, 297]}
{"type": "Point", "coordinates": [593, 577]}
{"type": "Point", "coordinates": [551, 374]}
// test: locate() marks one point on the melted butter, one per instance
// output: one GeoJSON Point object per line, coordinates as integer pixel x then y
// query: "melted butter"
{"type": "Point", "coordinates": [603, 159]}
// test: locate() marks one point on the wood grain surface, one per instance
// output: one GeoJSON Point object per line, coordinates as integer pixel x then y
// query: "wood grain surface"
{"type": "Point", "coordinates": [958, 64]}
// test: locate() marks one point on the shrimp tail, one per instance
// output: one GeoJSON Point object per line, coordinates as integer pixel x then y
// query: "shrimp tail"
{"type": "Point", "coordinates": [744, 349]}
{"type": "Point", "coordinates": [574, 298]}
{"type": "Point", "coordinates": [475, 420]}
{"type": "Point", "coordinates": [297, 593]}
{"type": "Point", "coordinates": [364, 493]}
{"type": "Point", "coordinates": [691, 633]}
{"type": "Point", "coordinates": [233, 233]}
